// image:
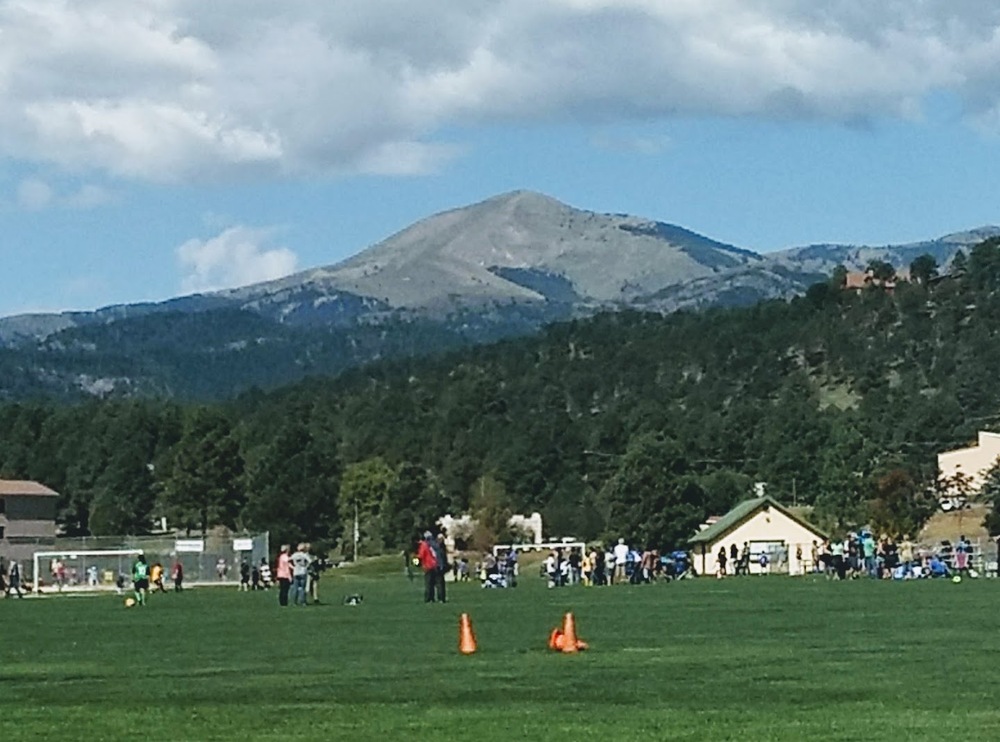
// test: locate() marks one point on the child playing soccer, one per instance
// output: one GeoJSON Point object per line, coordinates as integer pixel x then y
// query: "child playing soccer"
{"type": "Point", "coordinates": [140, 579]}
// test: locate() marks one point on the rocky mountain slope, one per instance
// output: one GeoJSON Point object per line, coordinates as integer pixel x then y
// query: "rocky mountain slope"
{"type": "Point", "coordinates": [497, 268]}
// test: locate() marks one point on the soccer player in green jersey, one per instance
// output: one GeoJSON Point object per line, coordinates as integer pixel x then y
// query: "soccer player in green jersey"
{"type": "Point", "coordinates": [140, 579]}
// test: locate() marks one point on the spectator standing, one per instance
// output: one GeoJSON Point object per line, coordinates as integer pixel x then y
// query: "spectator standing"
{"type": "Point", "coordinates": [868, 547]}
{"type": "Point", "coordinates": [552, 569]}
{"type": "Point", "coordinates": [621, 557]}
{"type": "Point", "coordinates": [14, 579]}
{"type": "Point", "coordinates": [427, 557]}
{"type": "Point", "coordinates": [177, 572]}
{"type": "Point", "coordinates": [244, 576]}
{"type": "Point", "coordinates": [838, 561]}
{"type": "Point", "coordinates": [300, 573]}
{"type": "Point", "coordinates": [316, 567]}
{"type": "Point", "coordinates": [600, 570]}
{"type": "Point", "coordinates": [265, 574]}
{"type": "Point", "coordinates": [744, 567]}
{"type": "Point", "coordinates": [284, 574]}
{"type": "Point", "coordinates": [721, 559]}
{"type": "Point", "coordinates": [441, 553]}
{"type": "Point", "coordinates": [575, 566]}
{"type": "Point", "coordinates": [962, 549]}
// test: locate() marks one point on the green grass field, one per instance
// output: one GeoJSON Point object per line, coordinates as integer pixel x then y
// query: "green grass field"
{"type": "Point", "coordinates": [753, 659]}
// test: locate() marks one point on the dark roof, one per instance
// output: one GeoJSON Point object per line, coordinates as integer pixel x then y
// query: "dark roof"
{"type": "Point", "coordinates": [21, 487]}
{"type": "Point", "coordinates": [742, 512]}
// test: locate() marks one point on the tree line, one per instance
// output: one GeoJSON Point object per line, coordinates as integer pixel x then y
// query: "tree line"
{"type": "Point", "coordinates": [624, 424]}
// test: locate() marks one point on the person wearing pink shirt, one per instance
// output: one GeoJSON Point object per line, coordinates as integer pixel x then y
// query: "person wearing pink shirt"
{"type": "Point", "coordinates": [284, 574]}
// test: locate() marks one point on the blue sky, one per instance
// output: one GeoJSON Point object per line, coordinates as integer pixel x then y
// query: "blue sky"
{"type": "Point", "coordinates": [151, 149]}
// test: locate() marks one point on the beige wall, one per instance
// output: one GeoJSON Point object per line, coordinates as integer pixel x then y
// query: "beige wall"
{"type": "Point", "coordinates": [974, 461]}
{"type": "Point", "coordinates": [28, 528]}
{"type": "Point", "coordinates": [768, 524]}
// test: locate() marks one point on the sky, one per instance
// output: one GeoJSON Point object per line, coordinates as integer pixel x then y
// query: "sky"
{"type": "Point", "coordinates": [154, 148]}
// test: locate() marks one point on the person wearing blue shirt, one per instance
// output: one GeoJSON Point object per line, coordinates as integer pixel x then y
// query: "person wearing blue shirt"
{"type": "Point", "coordinates": [937, 567]}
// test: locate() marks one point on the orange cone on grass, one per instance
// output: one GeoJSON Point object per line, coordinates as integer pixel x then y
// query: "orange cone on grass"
{"type": "Point", "coordinates": [569, 643]}
{"type": "Point", "coordinates": [564, 639]}
{"type": "Point", "coordinates": [466, 639]}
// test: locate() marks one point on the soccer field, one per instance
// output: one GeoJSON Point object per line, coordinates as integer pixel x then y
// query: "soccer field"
{"type": "Point", "coordinates": [752, 659]}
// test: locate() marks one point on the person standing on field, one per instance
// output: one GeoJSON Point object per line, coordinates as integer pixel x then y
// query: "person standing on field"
{"type": "Point", "coordinates": [427, 556]}
{"type": "Point", "coordinates": [621, 557]}
{"type": "Point", "coordinates": [300, 573]}
{"type": "Point", "coordinates": [156, 575]}
{"type": "Point", "coordinates": [441, 552]}
{"type": "Point", "coordinates": [284, 575]}
{"type": "Point", "coordinates": [178, 575]}
{"type": "Point", "coordinates": [140, 579]}
{"type": "Point", "coordinates": [14, 579]}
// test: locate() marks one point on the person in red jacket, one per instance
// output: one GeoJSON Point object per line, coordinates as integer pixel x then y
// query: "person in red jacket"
{"type": "Point", "coordinates": [427, 556]}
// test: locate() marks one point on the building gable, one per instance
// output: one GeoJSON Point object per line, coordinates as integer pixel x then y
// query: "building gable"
{"type": "Point", "coordinates": [744, 512]}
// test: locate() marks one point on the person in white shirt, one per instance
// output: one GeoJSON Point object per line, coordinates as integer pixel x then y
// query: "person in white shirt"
{"type": "Point", "coordinates": [550, 568]}
{"type": "Point", "coordinates": [621, 556]}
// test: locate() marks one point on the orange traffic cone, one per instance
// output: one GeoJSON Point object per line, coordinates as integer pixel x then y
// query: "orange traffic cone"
{"type": "Point", "coordinates": [466, 639]}
{"type": "Point", "coordinates": [569, 643]}
{"type": "Point", "coordinates": [556, 639]}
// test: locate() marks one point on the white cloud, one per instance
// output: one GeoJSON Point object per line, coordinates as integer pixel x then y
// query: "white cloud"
{"type": "Point", "coordinates": [633, 144]}
{"type": "Point", "coordinates": [89, 196]}
{"type": "Point", "coordinates": [34, 194]}
{"type": "Point", "coordinates": [236, 257]}
{"type": "Point", "coordinates": [187, 89]}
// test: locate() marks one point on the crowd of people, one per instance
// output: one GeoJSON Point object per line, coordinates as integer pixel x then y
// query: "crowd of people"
{"type": "Point", "coordinates": [859, 554]}
{"type": "Point", "coordinates": [618, 564]}
{"type": "Point", "coordinates": [297, 573]}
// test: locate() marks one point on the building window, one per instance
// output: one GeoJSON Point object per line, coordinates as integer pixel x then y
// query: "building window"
{"type": "Point", "coordinates": [3, 506]}
{"type": "Point", "coordinates": [1, 533]}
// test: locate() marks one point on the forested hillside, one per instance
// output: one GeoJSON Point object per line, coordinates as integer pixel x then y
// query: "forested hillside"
{"type": "Point", "coordinates": [624, 424]}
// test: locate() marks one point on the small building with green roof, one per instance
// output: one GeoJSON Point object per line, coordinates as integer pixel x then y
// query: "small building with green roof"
{"type": "Point", "coordinates": [764, 526]}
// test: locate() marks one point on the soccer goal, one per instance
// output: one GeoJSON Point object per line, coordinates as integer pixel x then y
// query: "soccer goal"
{"type": "Point", "coordinates": [81, 569]}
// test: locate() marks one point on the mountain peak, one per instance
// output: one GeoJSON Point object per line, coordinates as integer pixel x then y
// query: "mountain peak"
{"type": "Point", "coordinates": [523, 196]}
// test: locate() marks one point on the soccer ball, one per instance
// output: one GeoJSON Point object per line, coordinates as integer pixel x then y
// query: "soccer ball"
{"type": "Point", "coordinates": [416, 562]}
{"type": "Point", "coordinates": [956, 579]}
{"type": "Point", "coordinates": [129, 602]}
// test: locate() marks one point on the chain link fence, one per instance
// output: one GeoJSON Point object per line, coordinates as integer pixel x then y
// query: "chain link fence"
{"type": "Point", "coordinates": [213, 559]}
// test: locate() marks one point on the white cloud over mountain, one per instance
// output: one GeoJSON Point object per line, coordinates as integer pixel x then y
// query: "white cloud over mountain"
{"type": "Point", "coordinates": [171, 90]}
{"type": "Point", "coordinates": [236, 257]}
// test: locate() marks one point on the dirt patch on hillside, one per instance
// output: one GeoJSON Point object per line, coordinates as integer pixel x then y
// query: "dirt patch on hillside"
{"type": "Point", "coordinates": [951, 525]}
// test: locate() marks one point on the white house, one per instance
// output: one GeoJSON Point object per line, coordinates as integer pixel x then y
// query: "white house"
{"type": "Point", "coordinates": [764, 525]}
{"type": "Point", "coordinates": [973, 461]}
